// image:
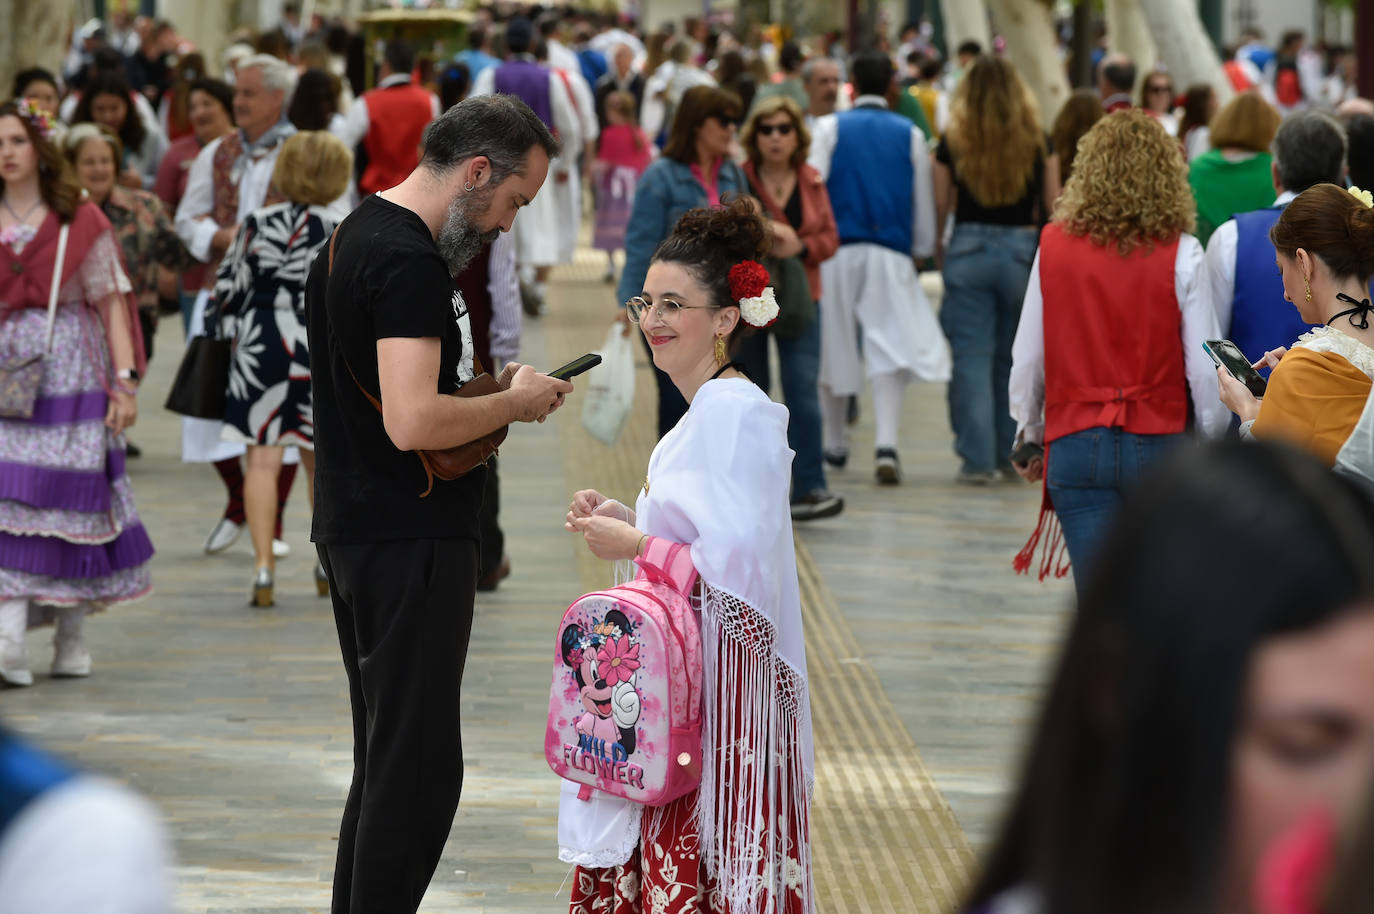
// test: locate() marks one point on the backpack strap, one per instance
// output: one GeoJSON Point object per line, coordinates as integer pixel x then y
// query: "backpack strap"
{"type": "Point", "coordinates": [670, 563]}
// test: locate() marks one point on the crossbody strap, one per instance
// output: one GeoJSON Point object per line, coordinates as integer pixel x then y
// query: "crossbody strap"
{"type": "Point", "coordinates": [376, 404]}
{"type": "Point", "coordinates": [56, 287]}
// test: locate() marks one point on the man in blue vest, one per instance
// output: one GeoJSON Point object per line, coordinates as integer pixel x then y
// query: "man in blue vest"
{"type": "Point", "coordinates": [538, 229]}
{"type": "Point", "coordinates": [877, 170]}
{"type": "Point", "coordinates": [1246, 288]}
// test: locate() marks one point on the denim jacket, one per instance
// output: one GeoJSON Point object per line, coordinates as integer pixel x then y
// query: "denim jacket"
{"type": "Point", "coordinates": [665, 191]}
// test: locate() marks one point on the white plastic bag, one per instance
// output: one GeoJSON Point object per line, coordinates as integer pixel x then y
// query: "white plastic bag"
{"type": "Point", "coordinates": [610, 388]}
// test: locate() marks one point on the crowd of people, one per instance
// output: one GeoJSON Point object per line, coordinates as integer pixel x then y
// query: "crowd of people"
{"type": "Point", "coordinates": [756, 197]}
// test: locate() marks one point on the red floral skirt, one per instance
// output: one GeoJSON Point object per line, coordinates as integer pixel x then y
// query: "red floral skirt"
{"type": "Point", "coordinates": [666, 873]}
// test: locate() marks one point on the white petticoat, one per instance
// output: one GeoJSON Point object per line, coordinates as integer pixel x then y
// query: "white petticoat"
{"type": "Point", "coordinates": [874, 290]}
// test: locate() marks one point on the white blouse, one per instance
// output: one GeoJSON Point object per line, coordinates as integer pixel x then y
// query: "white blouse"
{"type": "Point", "coordinates": [1026, 389]}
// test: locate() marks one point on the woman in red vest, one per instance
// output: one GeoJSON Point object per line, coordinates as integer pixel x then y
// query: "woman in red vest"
{"type": "Point", "coordinates": [1109, 349]}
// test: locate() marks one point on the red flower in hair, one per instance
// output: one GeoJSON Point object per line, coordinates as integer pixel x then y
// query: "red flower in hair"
{"type": "Point", "coordinates": [748, 279]}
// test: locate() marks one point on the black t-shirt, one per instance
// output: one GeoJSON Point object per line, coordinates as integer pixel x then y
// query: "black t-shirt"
{"type": "Point", "coordinates": [389, 281]}
{"type": "Point", "coordinates": [1026, 211]}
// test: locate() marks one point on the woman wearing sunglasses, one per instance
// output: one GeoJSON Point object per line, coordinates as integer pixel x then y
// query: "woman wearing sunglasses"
{"type": "Point", "coordinates": [797, 203]}
{"type": "Point", "coordinates": [1157, 98]}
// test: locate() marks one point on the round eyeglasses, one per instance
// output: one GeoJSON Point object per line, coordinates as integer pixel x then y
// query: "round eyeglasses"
{"type": "Point", "coordinates": [667, 309]}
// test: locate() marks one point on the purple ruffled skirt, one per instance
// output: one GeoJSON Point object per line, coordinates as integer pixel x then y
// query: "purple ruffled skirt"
{"type": "Point", "coordinates": [69, 532]}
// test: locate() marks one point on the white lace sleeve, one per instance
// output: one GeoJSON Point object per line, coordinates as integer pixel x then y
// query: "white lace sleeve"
{"type": "Point", "coordinates": [101, 273]}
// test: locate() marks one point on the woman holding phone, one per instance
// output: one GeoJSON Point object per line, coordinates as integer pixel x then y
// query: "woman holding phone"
{"type": "Point", "coordinates": [1317, 392]}
{"type": "Point", "coordinates": [1108, 354]}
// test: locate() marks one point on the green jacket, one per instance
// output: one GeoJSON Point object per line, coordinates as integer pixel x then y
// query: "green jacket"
{"type": "Point", "coordinates": [1223, 188]}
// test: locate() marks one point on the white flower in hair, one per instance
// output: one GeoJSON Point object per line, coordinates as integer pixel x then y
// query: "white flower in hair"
{"type": "Point", "coordinates": [749, 285]}
{"type": "Point", "coordinates": [759, 310]}
{"type": "Point", "coordinates": [1363, 196]}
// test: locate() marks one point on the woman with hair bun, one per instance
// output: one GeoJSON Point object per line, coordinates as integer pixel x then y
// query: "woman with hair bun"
{"type": "Point", "coordinates": [1325, 252]}
{"type": "Point", "coordinates": [717, 482]}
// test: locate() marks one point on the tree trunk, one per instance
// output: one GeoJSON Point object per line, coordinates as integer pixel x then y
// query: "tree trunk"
{"type": "Point", "coordinates": [965, 20]}
{"type": "Point", "coordinates": [1364, 38]}
{"type": "Point", "coordinates": [1031, 46]}
{"type": "Point", "coordinates": [1129, 33]}
{"type": "Point", "coordinates": [205, 23]}
{"type": "Point", "coordinates": [33, 34]}
{"type": "Point", "coordinates": [1080, 57]}
{"type": "Point", "coordinates": [1184, 45]}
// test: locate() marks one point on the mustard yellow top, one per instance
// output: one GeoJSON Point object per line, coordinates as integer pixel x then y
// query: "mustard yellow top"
{"type": "Point", "coordinates": [1317, 393]}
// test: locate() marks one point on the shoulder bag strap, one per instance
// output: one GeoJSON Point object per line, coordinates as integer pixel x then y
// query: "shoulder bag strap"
{"type": "Point", "coordinates": [56, 286]}
{"type": "Point", "coordinates": [376, 404]}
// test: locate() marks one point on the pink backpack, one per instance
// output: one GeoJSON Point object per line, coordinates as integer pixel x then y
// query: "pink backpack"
{"type": "Point", "coordinates": [625, 705]}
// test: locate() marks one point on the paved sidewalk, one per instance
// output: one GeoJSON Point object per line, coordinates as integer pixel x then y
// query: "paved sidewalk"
{"type": "Point", "coordinates": [235, 721]}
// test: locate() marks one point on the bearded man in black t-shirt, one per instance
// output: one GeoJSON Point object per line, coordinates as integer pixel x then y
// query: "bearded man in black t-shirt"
{"type": "Point", "coordinates": [402, 568]}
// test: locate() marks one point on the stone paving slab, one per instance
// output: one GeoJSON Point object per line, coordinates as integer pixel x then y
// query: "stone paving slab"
{"type": "Point", "coordinates": [235, 722]}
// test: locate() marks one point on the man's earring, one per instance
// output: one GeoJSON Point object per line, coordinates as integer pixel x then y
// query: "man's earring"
{"type": "Point", "coordinates": [469, 187]}
{"type": "Point", "coordinates": [1308, 288]}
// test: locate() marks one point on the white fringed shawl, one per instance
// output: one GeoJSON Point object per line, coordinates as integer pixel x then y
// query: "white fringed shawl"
{"type": "Point", "coordinates": [719, 482]}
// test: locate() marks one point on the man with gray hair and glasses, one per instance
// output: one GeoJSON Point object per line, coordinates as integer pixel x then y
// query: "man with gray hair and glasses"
{"type": "Point", "coordinates": [386, 323]}
{"type": "Point", "coordinates": [1246, 288]}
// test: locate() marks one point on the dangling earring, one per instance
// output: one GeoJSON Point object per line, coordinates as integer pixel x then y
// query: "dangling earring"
{"type": "Point", "coordinates": [721, 355]}
{"type": "Point", "coordinates": [1308, 288]}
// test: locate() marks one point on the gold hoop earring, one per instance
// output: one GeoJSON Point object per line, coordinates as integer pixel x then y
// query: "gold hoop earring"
{"type": "Point", "coordinates": [722, 356]}
{"type": "Point", "coordinates": [1308, 288]}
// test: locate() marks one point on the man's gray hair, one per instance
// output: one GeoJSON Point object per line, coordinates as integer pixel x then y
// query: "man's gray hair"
{"type": "Point", "coordinates": [1309, 149]}
{"type": "Point", "coordinates": [500, 127]}
{"type": "Point", "coordinates": [276, 73]}
{"type": "Point", "coordinates": [809, 68]}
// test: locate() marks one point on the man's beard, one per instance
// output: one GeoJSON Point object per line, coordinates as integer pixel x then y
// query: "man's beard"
{"type": "Point", "coordinates": [460, 239]}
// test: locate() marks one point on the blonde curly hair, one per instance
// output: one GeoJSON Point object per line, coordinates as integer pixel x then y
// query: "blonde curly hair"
{"type": "Point", "coordinates": [1129, 185]}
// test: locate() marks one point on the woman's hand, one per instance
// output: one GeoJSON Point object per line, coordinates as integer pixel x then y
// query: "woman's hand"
{"type": "Point", "coordinates": [609, 538]}
{"type": "Point", "coordinates": [584, 502]}
{"type": "Point", "coordinates": [122, 412]}
{"type": "Point", "coordinates": [1270, 359]}
{"type": "Point", "coordinates": [1236, 396]}
{"type": "Point", "coordinates": [786, 241]}
{"type": "Point", "coordinates": [1032, 470]}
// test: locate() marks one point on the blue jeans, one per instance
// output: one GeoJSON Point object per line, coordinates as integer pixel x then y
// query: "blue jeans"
{"type": "Point", "coordinates": [1087, 473]}
{"type": "Point", "coordinates": [986, 269]}
{"type": "Point", "coordinates": [799, 367]}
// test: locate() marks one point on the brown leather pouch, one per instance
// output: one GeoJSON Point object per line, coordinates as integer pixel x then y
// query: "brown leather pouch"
{"type": "Point", "coordinates": [452, 462]}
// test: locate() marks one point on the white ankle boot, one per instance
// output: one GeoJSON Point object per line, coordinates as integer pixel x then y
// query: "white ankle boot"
{"type": "Point", "coordinates": [70, 658]}
{"type": "Point", "coordinates": [14, 657]}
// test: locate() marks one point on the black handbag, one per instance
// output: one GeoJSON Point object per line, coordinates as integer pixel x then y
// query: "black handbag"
{"type": "Point", "coordinates": [796, 308]}
{"type": "Point", "coordinates": [202, 379]}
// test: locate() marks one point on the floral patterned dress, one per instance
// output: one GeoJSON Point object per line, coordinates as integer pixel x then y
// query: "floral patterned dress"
{"type": "Point", "coordinates": [260, 300]}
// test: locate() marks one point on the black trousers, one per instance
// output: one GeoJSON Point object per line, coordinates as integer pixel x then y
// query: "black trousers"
{"type": "Point", "coordinates": [493, 539]}
{"type": "Point", "coordinates": [404, 614]}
